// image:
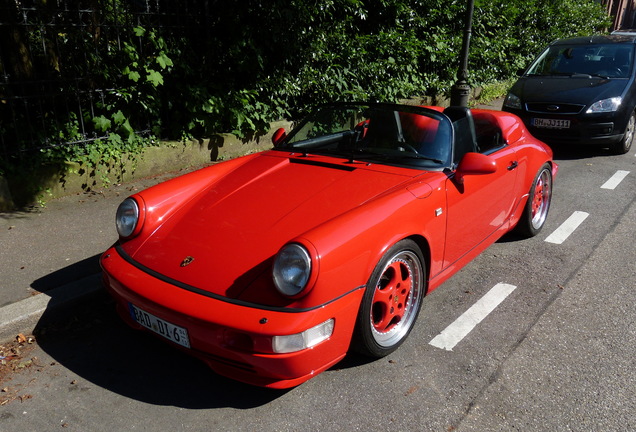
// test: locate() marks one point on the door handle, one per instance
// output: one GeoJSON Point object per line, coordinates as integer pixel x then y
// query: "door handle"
{"type": "Point", "coordinates": [513, 165]}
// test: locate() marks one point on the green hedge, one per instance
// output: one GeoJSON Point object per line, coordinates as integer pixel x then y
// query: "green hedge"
{"type": "Point", "coordinates": [265, 63]}
{"type": "Point", "coordinates": [237, 69]}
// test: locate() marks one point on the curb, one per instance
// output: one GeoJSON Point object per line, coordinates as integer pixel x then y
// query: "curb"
{"type": "Point", "coordinates": [23, 316]}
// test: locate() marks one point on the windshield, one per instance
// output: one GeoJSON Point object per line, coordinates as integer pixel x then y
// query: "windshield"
{"type": "Point", "coordinates": [384, 133]}
{"type": "Point", "coordinates": [604, 60]}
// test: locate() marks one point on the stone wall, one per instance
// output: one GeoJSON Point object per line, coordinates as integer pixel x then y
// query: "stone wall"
{"type": "Point", "coordinates": [169, 156]}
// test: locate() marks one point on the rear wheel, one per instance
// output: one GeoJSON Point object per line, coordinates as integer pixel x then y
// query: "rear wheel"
{"type": "Point", "coordinates": [392, 301]}
{"type": "Point", "coordinates": [625, 144]}
{"type": "Point", "coordinates": [536, 210]}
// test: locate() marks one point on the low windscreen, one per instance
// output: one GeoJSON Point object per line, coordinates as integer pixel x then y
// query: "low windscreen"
{"type": "Point", "coordinates": [384, 133]}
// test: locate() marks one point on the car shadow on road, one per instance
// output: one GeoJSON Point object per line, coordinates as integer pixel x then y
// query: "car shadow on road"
{"type": "Point", "coordinates": [577, 152]}
{"type": "Point", "coordinates": [72, 273]}
{"type": "Point", "coordinates": [90, 340]}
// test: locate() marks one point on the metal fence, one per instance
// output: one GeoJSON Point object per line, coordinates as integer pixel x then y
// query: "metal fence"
{"type": "Point", "coordinates": [49, 81]}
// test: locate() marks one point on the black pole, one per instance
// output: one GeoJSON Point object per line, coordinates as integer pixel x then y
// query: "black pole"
{"type": "Point", "coordinates": [461, 89]}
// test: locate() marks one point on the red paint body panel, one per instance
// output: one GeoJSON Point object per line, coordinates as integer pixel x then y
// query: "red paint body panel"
{"type": "Point", "coordinates": [216, 327]}
{"type": "Point", "coordinates": [232, 218]}
{"type": "Point", "coordinates": [252, 214]}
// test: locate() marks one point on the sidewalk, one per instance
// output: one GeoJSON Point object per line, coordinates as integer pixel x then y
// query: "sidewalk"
{"type": "Point", "coordinates": [49, 256]}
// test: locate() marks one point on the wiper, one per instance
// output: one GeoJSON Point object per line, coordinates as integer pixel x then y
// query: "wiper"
{"type": "Point", "coordinates": [595, 75]}
{"type": "Point", "coordinates": [360, 154]}
{"type": "Point", "coordinates": [573, 74]}
{"type": "Point", "coordinates": [422, 157]}
{"type": "Point", "coordinates": [321, 141]}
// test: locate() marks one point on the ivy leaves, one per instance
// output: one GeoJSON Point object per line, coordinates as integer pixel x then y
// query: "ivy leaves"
{"type": "Point", "coordinates": [218, 74]}
{"type": "Point", "coordinates": [239, 77]}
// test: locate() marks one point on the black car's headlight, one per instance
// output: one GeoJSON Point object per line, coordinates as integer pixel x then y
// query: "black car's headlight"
{"type": "Point", "coordinates": [292, 269]}
{"type": "Point", "coordinates": [127, 218]}
{"type": "Point", "coordinates": [605, 105]}
{"type": "Point", "coordinates": [512, 101]}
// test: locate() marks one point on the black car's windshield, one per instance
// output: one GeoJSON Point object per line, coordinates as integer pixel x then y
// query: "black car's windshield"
{"type": "Point", "coordinates": [383, 133]}
{"type": "Point", "coordinates": [595, 60]}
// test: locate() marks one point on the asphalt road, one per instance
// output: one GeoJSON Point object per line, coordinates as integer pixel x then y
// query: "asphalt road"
{"type": "Point", "coordinates": [557, 353]}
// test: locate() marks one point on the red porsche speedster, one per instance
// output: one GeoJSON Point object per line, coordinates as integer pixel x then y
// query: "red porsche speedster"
{"type": "Point", "coordinates": [272, 266]}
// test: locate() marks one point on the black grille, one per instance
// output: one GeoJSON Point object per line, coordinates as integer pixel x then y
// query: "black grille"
{"type": "Point", "coordinates": [554, 108]}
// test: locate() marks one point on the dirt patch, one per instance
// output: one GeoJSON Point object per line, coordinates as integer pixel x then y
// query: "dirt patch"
{"type": "Point", "coordinates": [15, 358]}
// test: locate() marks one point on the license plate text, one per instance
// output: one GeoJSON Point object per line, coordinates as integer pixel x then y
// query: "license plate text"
{"type": "Point", "coordinates": [174, 333]}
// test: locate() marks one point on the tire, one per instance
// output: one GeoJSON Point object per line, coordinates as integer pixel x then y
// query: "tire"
{"type": "Point", "coordinates": [536, 210]}
{"type": "Point", "coordinates": [392, 301]}
{"type": "Point", "coordinates": [625, 143]}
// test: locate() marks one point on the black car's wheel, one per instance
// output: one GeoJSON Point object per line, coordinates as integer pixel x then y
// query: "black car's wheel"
{"type": "Point", "coordinates": [536, 210]}
{"type": "Point", "coordinates": [392, 301]}
{"type": "Point", "coordinates": [625, 144]}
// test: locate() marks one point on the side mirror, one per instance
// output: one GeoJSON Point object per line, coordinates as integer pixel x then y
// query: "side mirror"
{"type": "Point", "coordinates": [474, 164]}
{"type": "Point", "coordinates": [279, 136]}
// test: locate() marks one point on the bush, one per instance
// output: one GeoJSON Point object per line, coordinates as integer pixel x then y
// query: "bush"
{"type": "Point", "coordinates": [234, 70]}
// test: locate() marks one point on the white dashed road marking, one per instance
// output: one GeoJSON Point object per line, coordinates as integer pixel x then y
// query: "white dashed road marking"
{"type": "Point", "coordinates": [463, 325]}
{"type": "Point", "coordinates": [567, 227]}
{"type": "Point", "coordinates": [455, 332]}
{"type": "Point", "coordinates": [615, 180]}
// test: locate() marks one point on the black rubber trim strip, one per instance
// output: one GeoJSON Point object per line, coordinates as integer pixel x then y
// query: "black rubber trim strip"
{"type": "Point", "coordinates": [321, 164]}
{"type": "Point", "coordinates": [205, 293]}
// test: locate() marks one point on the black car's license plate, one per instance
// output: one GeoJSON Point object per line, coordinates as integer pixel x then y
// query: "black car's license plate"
{"type": "Point", "coordinates": [172, 332]}
{"type": "Point", "coordinates": [550, 123]}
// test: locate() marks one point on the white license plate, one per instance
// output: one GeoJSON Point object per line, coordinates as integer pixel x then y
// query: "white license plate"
{"type": "Point", "coordinates": [550, 123]}
{"type": "Point", "coordinates": [174, 333]}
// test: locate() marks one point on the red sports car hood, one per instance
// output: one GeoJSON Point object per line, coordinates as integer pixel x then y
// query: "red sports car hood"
{"type": "Point", "coordinates": [232, 229]}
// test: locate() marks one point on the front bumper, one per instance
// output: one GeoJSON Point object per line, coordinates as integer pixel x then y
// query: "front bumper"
{"type": "Point", "coordinates": [595, 130]}
{"type": "Point", "coordinates": [593, 134]}
{"type": "Point", "coordinates": [233, 339]}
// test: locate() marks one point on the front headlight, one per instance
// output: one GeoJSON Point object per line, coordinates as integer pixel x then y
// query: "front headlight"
{"type": "Point", "coordinates": [512, 101]}
{"type": "Point", "coordinates": [605, 105]}
{"type": "Point", "coordinates": [127, 217]}
{"type": "Point", "coordinates": [292, 269]}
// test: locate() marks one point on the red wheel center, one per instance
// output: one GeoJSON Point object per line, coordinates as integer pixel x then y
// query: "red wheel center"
{"type": "Point", "coordinates": [390, 296]}
{"type": "Point", "coordinates": [537, 200]}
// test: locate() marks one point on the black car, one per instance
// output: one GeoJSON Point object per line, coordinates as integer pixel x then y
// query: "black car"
{"type": "Point", "coordinates": [580, 91]}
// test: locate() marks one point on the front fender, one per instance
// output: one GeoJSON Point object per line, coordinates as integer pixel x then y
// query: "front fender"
{"type": "Point", "coordinates": [158, 203]}
{"type": "Point", "coordinates": [351, 245]}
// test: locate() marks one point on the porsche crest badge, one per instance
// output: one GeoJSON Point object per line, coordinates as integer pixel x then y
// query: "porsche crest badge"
{"type": "Point", "coordinates": [187, 261]}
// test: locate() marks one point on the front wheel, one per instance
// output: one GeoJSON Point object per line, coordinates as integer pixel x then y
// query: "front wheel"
{"type": "Point", "coordinates": [536, 210]}
{"type": "Point", "coordinates": [392, 301]}
{"type": "Point", "coordinates": [625, 143]}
